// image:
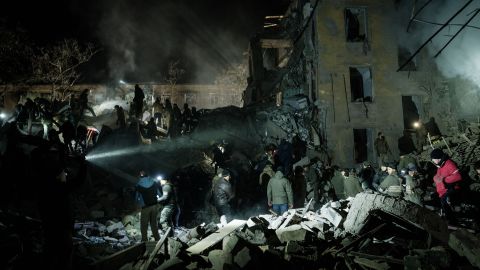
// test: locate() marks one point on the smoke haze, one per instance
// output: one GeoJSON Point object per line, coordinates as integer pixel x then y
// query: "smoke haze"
{"type": "Point", "coordinates": [461, 58]}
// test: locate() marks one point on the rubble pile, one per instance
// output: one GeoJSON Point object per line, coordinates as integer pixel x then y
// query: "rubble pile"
{"type": "Point", "coordinates": [292, 119]}
{"type": "Point", "coordinates": [370, 231]}
{"type": "Point", "coordinates": [94, 239]}
{"type": "Point", "coordinates": [463, 148]}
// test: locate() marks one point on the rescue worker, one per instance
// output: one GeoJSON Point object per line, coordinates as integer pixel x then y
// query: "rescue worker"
{"type": "Point", "coordinates": [223, 195]}
{"type": "Point", "coordinates": [147, 193]}
{"type": "Point", "coordinates": [279, 193]}
{"type": "Point", "coordinates": [351, 184]}
{"type": "Point", "coordinates": [412, 190]}
{"type": "Point", "coordinates": [392, 184]}
{"type": "Point", "coordinates": [382, 149]}
{"type": "Point", "coordinates": [169, 202]}
{"type": "Point", "coordinates": [447, 181]}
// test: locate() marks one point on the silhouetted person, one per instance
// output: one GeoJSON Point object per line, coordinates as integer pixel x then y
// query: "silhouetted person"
{"type": "Point", "coordinates": [83, 102]}
{"type": "Point", "coordinates": [299, 148]}
{"type": "Point", "coordinates": [68, 133]}
{"type": "Point", "coordinates": [120, 117]}
{"type": "Point", "coordinates": [158, 110]}
{"type": "Point", "coordinates": [299, 188]}
{"type": "Point", "coordinates": [138, 101]}
{"type": "Point", "coordinates": [187, 118]}
{"type": "Point", "coordinates": [222, 195]}
{"type": "Point", "coordinates": [195, 118]}
{"type": "Point", "coordinates": [152, 130]}
{"type": "Point", "coordinates": [285, 156]}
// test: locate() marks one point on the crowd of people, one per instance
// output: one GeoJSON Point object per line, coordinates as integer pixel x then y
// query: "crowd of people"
{"type": "Point", "coordinates": [282, 179]}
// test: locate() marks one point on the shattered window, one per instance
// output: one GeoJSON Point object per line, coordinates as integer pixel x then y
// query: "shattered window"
{"type": "Point", "coordinates": [403, 55]}
{"type": "Point", "coordinates": [361, 84]}
{"type": "Point", "coordinates": [356, 24]}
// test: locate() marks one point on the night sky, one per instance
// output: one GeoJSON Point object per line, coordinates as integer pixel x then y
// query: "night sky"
{"type": "Point", "coordinates": [139, 38]}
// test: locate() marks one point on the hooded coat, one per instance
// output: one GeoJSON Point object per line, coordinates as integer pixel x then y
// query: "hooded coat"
{"type": "Point", "coordinates": [448, 176]}
{"type": "Point", "coordinates": [146, 192]}
{"type": "Point", "coordinates": [279, 190]}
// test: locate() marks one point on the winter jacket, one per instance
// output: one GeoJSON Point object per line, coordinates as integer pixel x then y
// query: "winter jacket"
{"type": "Point", "coordinates": [279, 190]}
{"type": "Point", "coordinates": [146, 192]}
{"type": "Point", "coordinates": [392, 185]}
{"type": "Point", "coordinates": [338, 185]}
{"type": "Point", "coordinates": [448, 176]}
{"type": "Point", "coordinates": [352, 186]}
{"type": "Point", "coordinates": [222, 192]}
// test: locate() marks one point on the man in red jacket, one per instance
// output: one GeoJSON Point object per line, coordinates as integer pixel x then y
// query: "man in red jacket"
{"type": "Point", "coordinates": [447, 180]}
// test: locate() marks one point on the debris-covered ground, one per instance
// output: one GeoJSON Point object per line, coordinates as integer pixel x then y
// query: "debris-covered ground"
{"type": "Point", "coordinates": [370, 231]}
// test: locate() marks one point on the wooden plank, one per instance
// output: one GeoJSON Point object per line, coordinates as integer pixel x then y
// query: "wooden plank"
{"type": "Point", "coordinates": [157, 248]}
{"type": "Point", "coordinates": [117, 260]}
{"type": "Point", "coordinates": [216, 237]}
{"type": "Point", "coordinates": [276, 43]}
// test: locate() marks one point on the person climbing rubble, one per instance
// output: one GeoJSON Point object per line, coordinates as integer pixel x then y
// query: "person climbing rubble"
{"type": "Point", "coordinates": [169, 202]}
{"type": "Point", "coordinates": [447, 182]}
{"type": "Point", "coordinates": [223, 194]}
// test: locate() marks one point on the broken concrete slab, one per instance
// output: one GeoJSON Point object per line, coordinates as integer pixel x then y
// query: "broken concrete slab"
{"type": "Point", "coordinates": [242, 258]}
{"type": "Point", "coordinates": [292, 233]}
{"type": "Point", "coordinates": [466, 244]}
{"type": "Point", "coordinates": [331, 215]}
{"type": "Point", "coordinates": [216, 237]}
{"type": "Point", "coordinates": [219, 258]}
{"type": "Point", "coordinates": [363, 203]}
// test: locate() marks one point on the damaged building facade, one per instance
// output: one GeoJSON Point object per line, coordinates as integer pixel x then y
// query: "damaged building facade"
{"type": "Point", "coordinates": [344, 57]}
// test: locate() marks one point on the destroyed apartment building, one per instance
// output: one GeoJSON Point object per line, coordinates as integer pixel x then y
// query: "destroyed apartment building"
{"type": "Point", "coordinates": [325, 79]}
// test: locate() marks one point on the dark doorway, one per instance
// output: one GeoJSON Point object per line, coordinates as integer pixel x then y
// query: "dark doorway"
{"type": "Point", "coordinates": [360, 145]}
{"type": "Point", "coordinates": [410, 113]}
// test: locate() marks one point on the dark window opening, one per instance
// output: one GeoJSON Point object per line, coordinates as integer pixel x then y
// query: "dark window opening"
{"type": "Point", "coordinates": [360, 145]}
{"type": "Point", "coordinates": [361, 84]}
{"type": "Point", "coordinates": [356, 24]}
{"type": "Point", "coordinates": [403, 55]}
{"type": "Point", "coordinates": [410, 112]}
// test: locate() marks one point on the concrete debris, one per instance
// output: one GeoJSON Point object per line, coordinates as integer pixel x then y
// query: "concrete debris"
{"type": "Point", "coordinates": [331, 215]}
{"type": "Point", "coordinates": [364, 203]}
{"type": "Point", "coordinates": [466, 244]}
{"type": "Point", "coordinates": [371, 231]}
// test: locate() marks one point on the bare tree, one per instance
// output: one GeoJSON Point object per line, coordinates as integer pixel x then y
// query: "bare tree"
{"type": "Point", "coordinates": [58, 65]}
{"type": "Point", "coordinates": [175, 73]}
